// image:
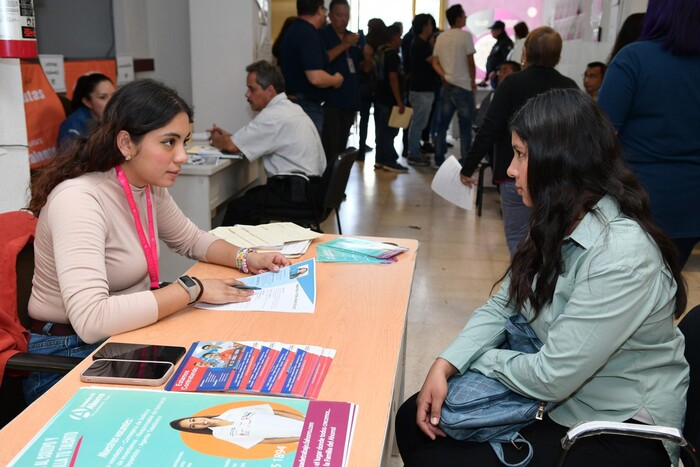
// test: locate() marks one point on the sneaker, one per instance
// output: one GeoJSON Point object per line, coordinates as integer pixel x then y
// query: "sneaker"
{"type": "Point", "coordinates": [378, 166]}
{"type": "Point", "coordinates": [395, 167]}
{"type": "Point", "coordinates": [418, 161]}
{"type": "Point", "coordinates": [427, 147]}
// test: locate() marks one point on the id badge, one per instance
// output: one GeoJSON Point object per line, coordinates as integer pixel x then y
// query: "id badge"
{"type": "Point", "coordinates": [351, 65]}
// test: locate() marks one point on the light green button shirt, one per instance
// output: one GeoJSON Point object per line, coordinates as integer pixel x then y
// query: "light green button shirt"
{"type": "Point", "coordinates": [611, 350]}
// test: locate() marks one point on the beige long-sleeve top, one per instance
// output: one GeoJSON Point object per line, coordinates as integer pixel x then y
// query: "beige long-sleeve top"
{"type": "Point", "coordinates": [90, 268]}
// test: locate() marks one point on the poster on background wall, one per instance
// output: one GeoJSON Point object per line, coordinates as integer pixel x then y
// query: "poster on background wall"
{"type": "Point", "coordinates": [43, 113]}
{"type": "Point", "coordinates": [78, 68]}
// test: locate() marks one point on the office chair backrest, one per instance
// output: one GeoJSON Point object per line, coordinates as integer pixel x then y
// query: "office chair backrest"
{"type": "Point", "coordinates": [25, 273]}
{"type": "Point", "coordinates": [335, 192]}
{"type": "Point", "coordinates": [690, 327]}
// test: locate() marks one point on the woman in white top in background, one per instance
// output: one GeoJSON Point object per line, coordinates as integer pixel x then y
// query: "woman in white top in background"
{"type": "Point", "coordinates": [102, 205]}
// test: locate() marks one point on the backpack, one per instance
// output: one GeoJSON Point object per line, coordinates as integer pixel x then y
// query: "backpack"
{"type": "Point", "coordinates": [481, 409]}
{"type": "Point", "coordinates": [378, 69]}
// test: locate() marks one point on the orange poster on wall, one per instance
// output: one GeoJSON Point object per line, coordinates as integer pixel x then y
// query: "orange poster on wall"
{"type": "Point", "coordinates": [43, 113]}
{"type": "Point", "coordinates": [76, 69]}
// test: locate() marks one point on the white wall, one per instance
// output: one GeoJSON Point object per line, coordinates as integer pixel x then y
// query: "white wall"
{"type": "Point", "coordinates": [223, 35]}
{"type": "Point", "coordinates": [577, 53]}
{"type": "Point", "coordinates": [14, 157]}
{"type": "Point", "coordinates": [157, 29]}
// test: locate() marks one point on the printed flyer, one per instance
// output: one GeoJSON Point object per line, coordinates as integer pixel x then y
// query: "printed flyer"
{"type": "Point", "coordinates": [272, 368]}
{"type": "Point", "coordinates": [122, 427]}
{"type": "Point", "coordinates": [292, 289]}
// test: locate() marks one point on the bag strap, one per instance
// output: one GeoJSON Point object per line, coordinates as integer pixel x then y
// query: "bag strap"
{"type": "Point", "coordinates": [498, 449]}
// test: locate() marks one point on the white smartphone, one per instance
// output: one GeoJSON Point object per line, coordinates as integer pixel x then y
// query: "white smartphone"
{"type": "Point", "coordinates": [138, 373]}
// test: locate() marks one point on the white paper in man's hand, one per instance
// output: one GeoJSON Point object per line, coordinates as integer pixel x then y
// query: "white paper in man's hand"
{"type": "Point", "coordinates": [446, 183]}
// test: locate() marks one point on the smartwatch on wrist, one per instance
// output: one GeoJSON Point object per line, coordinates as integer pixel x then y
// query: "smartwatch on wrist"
{"type": "Point", "coordinates": [190, 286]}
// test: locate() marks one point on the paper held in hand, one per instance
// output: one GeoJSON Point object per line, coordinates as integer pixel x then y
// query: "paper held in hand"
{"type": "Point", "coordinates": [397, 120]}
{"type": "Point", "coordinates": [447, 184]}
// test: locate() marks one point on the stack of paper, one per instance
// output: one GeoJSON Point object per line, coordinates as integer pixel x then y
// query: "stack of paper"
{"type": "Point", "coordinates": [357, 250]}
{"type": "Point", "coordinates": [271, 368]}
{"type": "Point", "coordinates": [286, 237]}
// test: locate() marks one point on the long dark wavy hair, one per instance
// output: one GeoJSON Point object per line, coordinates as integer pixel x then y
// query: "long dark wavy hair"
{"type": "Point", "coordinates": [138, 108]}
{"type": "Point", "coordinates": [574, 159]}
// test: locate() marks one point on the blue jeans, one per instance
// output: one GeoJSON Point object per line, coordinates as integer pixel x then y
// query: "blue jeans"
{"type": "Point", "coordinates": [454, 98]}
{"type": "Point", "coordinates": [385, 151]}
{"type": "Point", "coordinates": [421, 102]}
{"type": "Point", "coordinates": [66, 346]}
{"type": "Point", "coordinates": [516, 216]}
{"type": "Point", "coordinates": [314, 110]}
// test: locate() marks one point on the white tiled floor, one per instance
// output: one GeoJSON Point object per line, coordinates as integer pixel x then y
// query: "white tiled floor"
{"type": "Point", "coordinates": [460, 257]}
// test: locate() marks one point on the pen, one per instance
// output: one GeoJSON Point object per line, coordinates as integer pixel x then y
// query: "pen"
{"type": "Point", "coordinates": [245, 287]}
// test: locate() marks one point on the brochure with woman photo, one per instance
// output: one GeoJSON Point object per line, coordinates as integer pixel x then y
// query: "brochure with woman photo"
{"type": "Point", "coordinates": [112, 426]}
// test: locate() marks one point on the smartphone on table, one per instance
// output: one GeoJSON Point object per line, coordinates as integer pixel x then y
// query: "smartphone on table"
{"type": "Point", "coordinates": [139, 352]}
{"type": "Point", "coordinates": [138, 373]}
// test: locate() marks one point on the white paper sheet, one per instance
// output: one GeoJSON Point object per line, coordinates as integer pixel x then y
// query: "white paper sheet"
{"type": "Point", "coordinates": [274, 234]}
{"type": "Point", "coordinates": [290, 290]}
{"type": "Point", "coordinates": [446, 183]}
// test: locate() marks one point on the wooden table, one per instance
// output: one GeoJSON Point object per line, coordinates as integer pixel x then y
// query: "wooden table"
{"type": "Point", "coordinates": [360, 312]}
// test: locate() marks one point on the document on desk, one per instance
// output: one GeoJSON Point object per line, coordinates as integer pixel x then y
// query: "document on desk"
{"type": "Point", "coordinates": [115, 426]}
{"type": "Point", "coordinates": [271, 368]}
{"type": "Point", "coordinates": [290, 290]}
{"type": "Point", "coordinates": [447, 184]}
{"type": "Point", "coordinates": [264, 235]}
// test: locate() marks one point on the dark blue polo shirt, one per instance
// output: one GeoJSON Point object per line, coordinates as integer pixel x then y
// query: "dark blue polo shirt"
{"type": "Point", "coordinates": [302, 49]}
{"type": "Point", "coordinates": [348, 95]}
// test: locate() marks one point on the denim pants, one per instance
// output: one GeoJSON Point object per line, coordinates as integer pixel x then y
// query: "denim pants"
{"type": "Point", "coordinates": [454, 98]}
{"type": "Point", "coordinates": [516, 216]}
{"type": "Point", "coordinates": [66, 346]}
{"type": "Point", "coordinates": [385, 151]}
{"type": "Point", "coordinates": [314, 110]}
{"type": "Point", "coordinates": [422, 103]}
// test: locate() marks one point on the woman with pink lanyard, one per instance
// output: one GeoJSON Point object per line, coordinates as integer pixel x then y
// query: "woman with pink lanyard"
{"type": "Point", "coordinates": [102, 205]}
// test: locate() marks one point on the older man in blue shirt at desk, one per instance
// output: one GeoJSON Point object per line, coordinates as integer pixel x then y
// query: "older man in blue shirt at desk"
{"type": "Point", "coordinates": [282, 135]}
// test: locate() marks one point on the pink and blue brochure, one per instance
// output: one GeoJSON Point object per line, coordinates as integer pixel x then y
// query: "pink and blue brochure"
{"type": "Point", "coordinates": [112, 426]}
{"type": "Point", "coordinates": [290, 290]}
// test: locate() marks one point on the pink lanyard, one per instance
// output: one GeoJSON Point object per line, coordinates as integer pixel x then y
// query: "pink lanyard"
{"type": "Point", "coordinates": [149, 249]}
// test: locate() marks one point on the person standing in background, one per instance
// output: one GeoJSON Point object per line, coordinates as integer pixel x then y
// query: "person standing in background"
{"type": "Point", "coordinates": [629, 32]}
{"type": "Point", "coordinates": [521, 30]}
{"type": "Point", "coordinates": [593, 78]}
{"type": "Point", "coordinates": [651, 95]}
{"type": "Point", "coordinates": [277, 45]}
{"type": "Point", "coordinates": [421, 86]}
{"type": "Point", "coordinates": [542, 53]}
{"type": "Point", "coordinates": [388, 93]}
{"type": "Point", "coordinates": [304, 61]}
{"type": "Point", "coordinates": [90, 97]}
{"type": "Point", "coordinates": [453, 61]}
{"type": "Point", "coordinates": [347, 58]}
{"type": "Point", "coordinates": [376, 31]}
{"type": "Point", "coordinates": [499, 52]}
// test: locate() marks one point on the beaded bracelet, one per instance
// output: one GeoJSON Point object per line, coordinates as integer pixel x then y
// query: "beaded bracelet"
{"type": "Point", "coordinates": [242, 260]}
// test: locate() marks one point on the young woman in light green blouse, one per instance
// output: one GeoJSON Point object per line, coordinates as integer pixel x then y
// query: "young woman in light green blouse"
{"type": "Point", "coordinates": [600, 285]}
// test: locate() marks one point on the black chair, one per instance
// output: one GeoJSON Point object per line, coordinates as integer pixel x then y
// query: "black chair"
{"type": "Point", "coordinates": [690, 327]}
{"type": "Point", "coordinates": [332, 193]}
{"type": "Point", "coordinates": [483, 165]}
{"type": "Point", "coordinates": [11, 392]}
